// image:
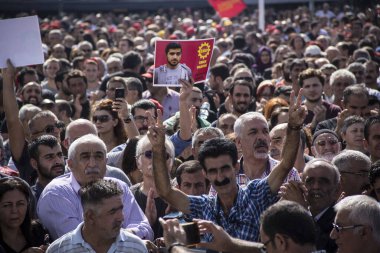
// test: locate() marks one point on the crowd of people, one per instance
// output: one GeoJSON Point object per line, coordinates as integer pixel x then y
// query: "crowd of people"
{"type": "Point", "coordinates": [277, 151]}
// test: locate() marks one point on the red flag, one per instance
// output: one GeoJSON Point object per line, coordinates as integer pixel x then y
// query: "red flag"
{"type": "Point", "coordinates": [228, 8]}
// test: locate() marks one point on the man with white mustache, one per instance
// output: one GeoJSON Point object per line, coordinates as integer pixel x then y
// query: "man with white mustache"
{"type": "Point", "coordinates": [59, 207]}
{"type": "Point", "coordinates": [252, 136]}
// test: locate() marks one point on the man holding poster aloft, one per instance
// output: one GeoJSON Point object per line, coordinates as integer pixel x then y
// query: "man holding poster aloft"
{"type": "Point", "coordinates": [173, 70]}
{"type": "Point", "coordinates": [181, 60]}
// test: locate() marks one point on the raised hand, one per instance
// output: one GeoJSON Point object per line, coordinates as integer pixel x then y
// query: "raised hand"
{"type": "Point", "coordinates": [150, 209]}
{"type": "Point", "coordinates": [9, 73]}
{"type": "Point", "coordinates": [297, 112]}
{"type": "Point", "coordinates": [121, 106]}
{"type": "Point", "coordinates": [185, 91]}
{"type": "Point", "coordinates": [156, 132]}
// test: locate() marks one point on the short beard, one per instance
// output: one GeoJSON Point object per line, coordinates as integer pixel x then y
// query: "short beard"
{"type": "Point", "coordinates": [260, 155]}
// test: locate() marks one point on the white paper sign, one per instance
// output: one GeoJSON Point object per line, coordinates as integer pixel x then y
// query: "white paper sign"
{"type": "Point", "coordinates": [20, 41]}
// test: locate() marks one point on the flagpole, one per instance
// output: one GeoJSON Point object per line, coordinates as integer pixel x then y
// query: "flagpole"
{"type": "Point", "coordinates": [262, 15]}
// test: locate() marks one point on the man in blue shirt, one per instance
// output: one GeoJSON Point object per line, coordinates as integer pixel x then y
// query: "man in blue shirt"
{"type": "Point", "coordinates": [236, 209]}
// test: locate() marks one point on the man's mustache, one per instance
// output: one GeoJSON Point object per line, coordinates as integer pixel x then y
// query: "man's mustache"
{"type": "Point", "coordinates": [224, 182]}
{"type": "Point", "coordinates": [261, 144]}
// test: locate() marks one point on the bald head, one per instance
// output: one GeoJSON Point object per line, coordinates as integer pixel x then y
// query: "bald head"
{"type": "Point", "coordinates": [78, 128]}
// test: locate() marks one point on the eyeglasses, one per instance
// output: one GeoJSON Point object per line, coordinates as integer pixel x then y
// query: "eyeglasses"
{"type": "Point", "coordinates": [245, 78]}
{"type": "Point", "coordinates": [49, 129]}
{"type": "Point", "coordinates": [101, 118]}
{"type": "Point", "coordinates": [140, 119]}
{"type": "Point", "coordinates": [361, 174]}
{"type": "Point", "coordinates": [323, 143]}
{"type": "Point", "coordinates": [149, 154]}
{"type": "Point", "coordinates": [341, 228]}
{"type": "Point", "coordinates": [264, 248]}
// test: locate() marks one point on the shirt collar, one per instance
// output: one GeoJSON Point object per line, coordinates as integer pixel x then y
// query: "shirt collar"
{"type": "Point", "coordinates": [74, 183]}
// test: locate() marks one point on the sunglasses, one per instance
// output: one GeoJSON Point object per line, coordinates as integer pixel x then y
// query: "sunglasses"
{"type": "Point", "coordinates": [323, 143]}
{"type": "Point", "coordinates": [101, 118]}
{"type": "Point", "coordinates": [149, 154]}
{"type": "Point", "coordinates": [49, 129]}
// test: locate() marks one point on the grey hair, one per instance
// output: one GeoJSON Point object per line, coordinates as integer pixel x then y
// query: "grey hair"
{"type": "Point", "coordinates": [345, 158]}
{"type": "Point", "coordinates": [144, 141]}
{"type": "Point", "coordinates": [28, 108]}
{"type": "Point", "coordinates": [355, 65]}
{"type": "Point", "coordinates": [363, 210]}
{"type": "Point", "coordinates": [88, 138]}
{"type": "Point", "coordinates": [85, 42]}
{"type": "Point", "coordinates": [342, 73]}
{"type": "Point", "coordinates": [206, 130]}
{"type": "Point", "coordinates": [244, 118]}
{"type": "Point", "coordinates": [112, 59]}
{"type": "Point", "coordinates": [350, 121]}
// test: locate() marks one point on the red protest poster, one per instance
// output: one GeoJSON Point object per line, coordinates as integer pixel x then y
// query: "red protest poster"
{"type": "Point", "coordinates": [228, 8]}
{"type": "Point", "coordinates": [181, 59]}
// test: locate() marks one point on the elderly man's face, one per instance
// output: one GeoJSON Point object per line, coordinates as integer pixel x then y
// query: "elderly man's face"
{"type": "Point", "coordinates": [326, 146]}
{"type": "Point", "coordinates": [348, 240]}
{"type": "Point", "coordinates": [320, 181]}
{"type": "Point", "coordinates": [254, 140]}
{"type": "Point", "coordinates": [354, 178]}
{"type": "Point", "coordinates": [277, 140]}
{"type": "Point", "coordinates": [89, 163]}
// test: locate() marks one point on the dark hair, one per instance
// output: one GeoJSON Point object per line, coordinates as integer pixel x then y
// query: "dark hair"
{"type": "Point", "coordinates": [131, 60]}
{"type": "Point", "coordinates": [145, 104]}
{"type": "Point", "coordinates": [23, 72]}
{"type": "Point", "coordinates": [119, 130]}
{"type": "Point", "coordinates": [221, 70]}
{"type": "Point", "coordinates": [310, 73]}
{"type": "Point", "coordinates": [172, 45]}
{"type": "Point", "coordinates": [76, 61]}
{"type": "Point", "coordinates": [133, 82]}
{"type": "Point", "coordinates": [216, 147]}
{"type": "Point", "coordinates": [63, 105]}
{"type": "Point", "coordinates": [129, 157]}
{"type": "Point", "coordinates": [368, 123]}
{"type": "Point", "coordinates": [273, 120]}
{"type": "Point", "coordinates": [242, 83]}
{"type": "Point", "coordinates": [14, 183]}
{"type": "Point", "coordinates": [44, 140]}
{"type": "Point", "coordinates": [190, 167]}
{"type": "Point", "coordinates": [356, 90]}
{"type": "Point", "coordinates": [75, 74]}
{"type": "Point", "coordinates": [280, 219]}
{"type": "Point", "coordinates": [94, 192]}
{"type": "Point", "coordinates": [60, 76]}
{"type": "Point", "coordinates": [297, 62]}
{"type": "Point", "coordinates": [374, 172]}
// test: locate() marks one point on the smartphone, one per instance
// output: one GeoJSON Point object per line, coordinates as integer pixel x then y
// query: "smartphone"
{"type": "Point", "coordinates": [119, 93]}
{"type": "Point", "coordinates": [192, 233]}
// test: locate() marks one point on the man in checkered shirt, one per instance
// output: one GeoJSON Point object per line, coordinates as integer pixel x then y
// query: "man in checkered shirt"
{"type": "Point", "coordinates": [236, 209]}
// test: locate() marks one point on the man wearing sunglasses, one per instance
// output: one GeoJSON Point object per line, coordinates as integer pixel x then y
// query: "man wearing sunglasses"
{"type": "Point", "coordinates": [357, 225]}
{"type": "Point", "coordinates": [145, 192]}
{"type": "Point", "coordinates": [42, 123]}
{"type": "Point", "coordinates": [326, 144]}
